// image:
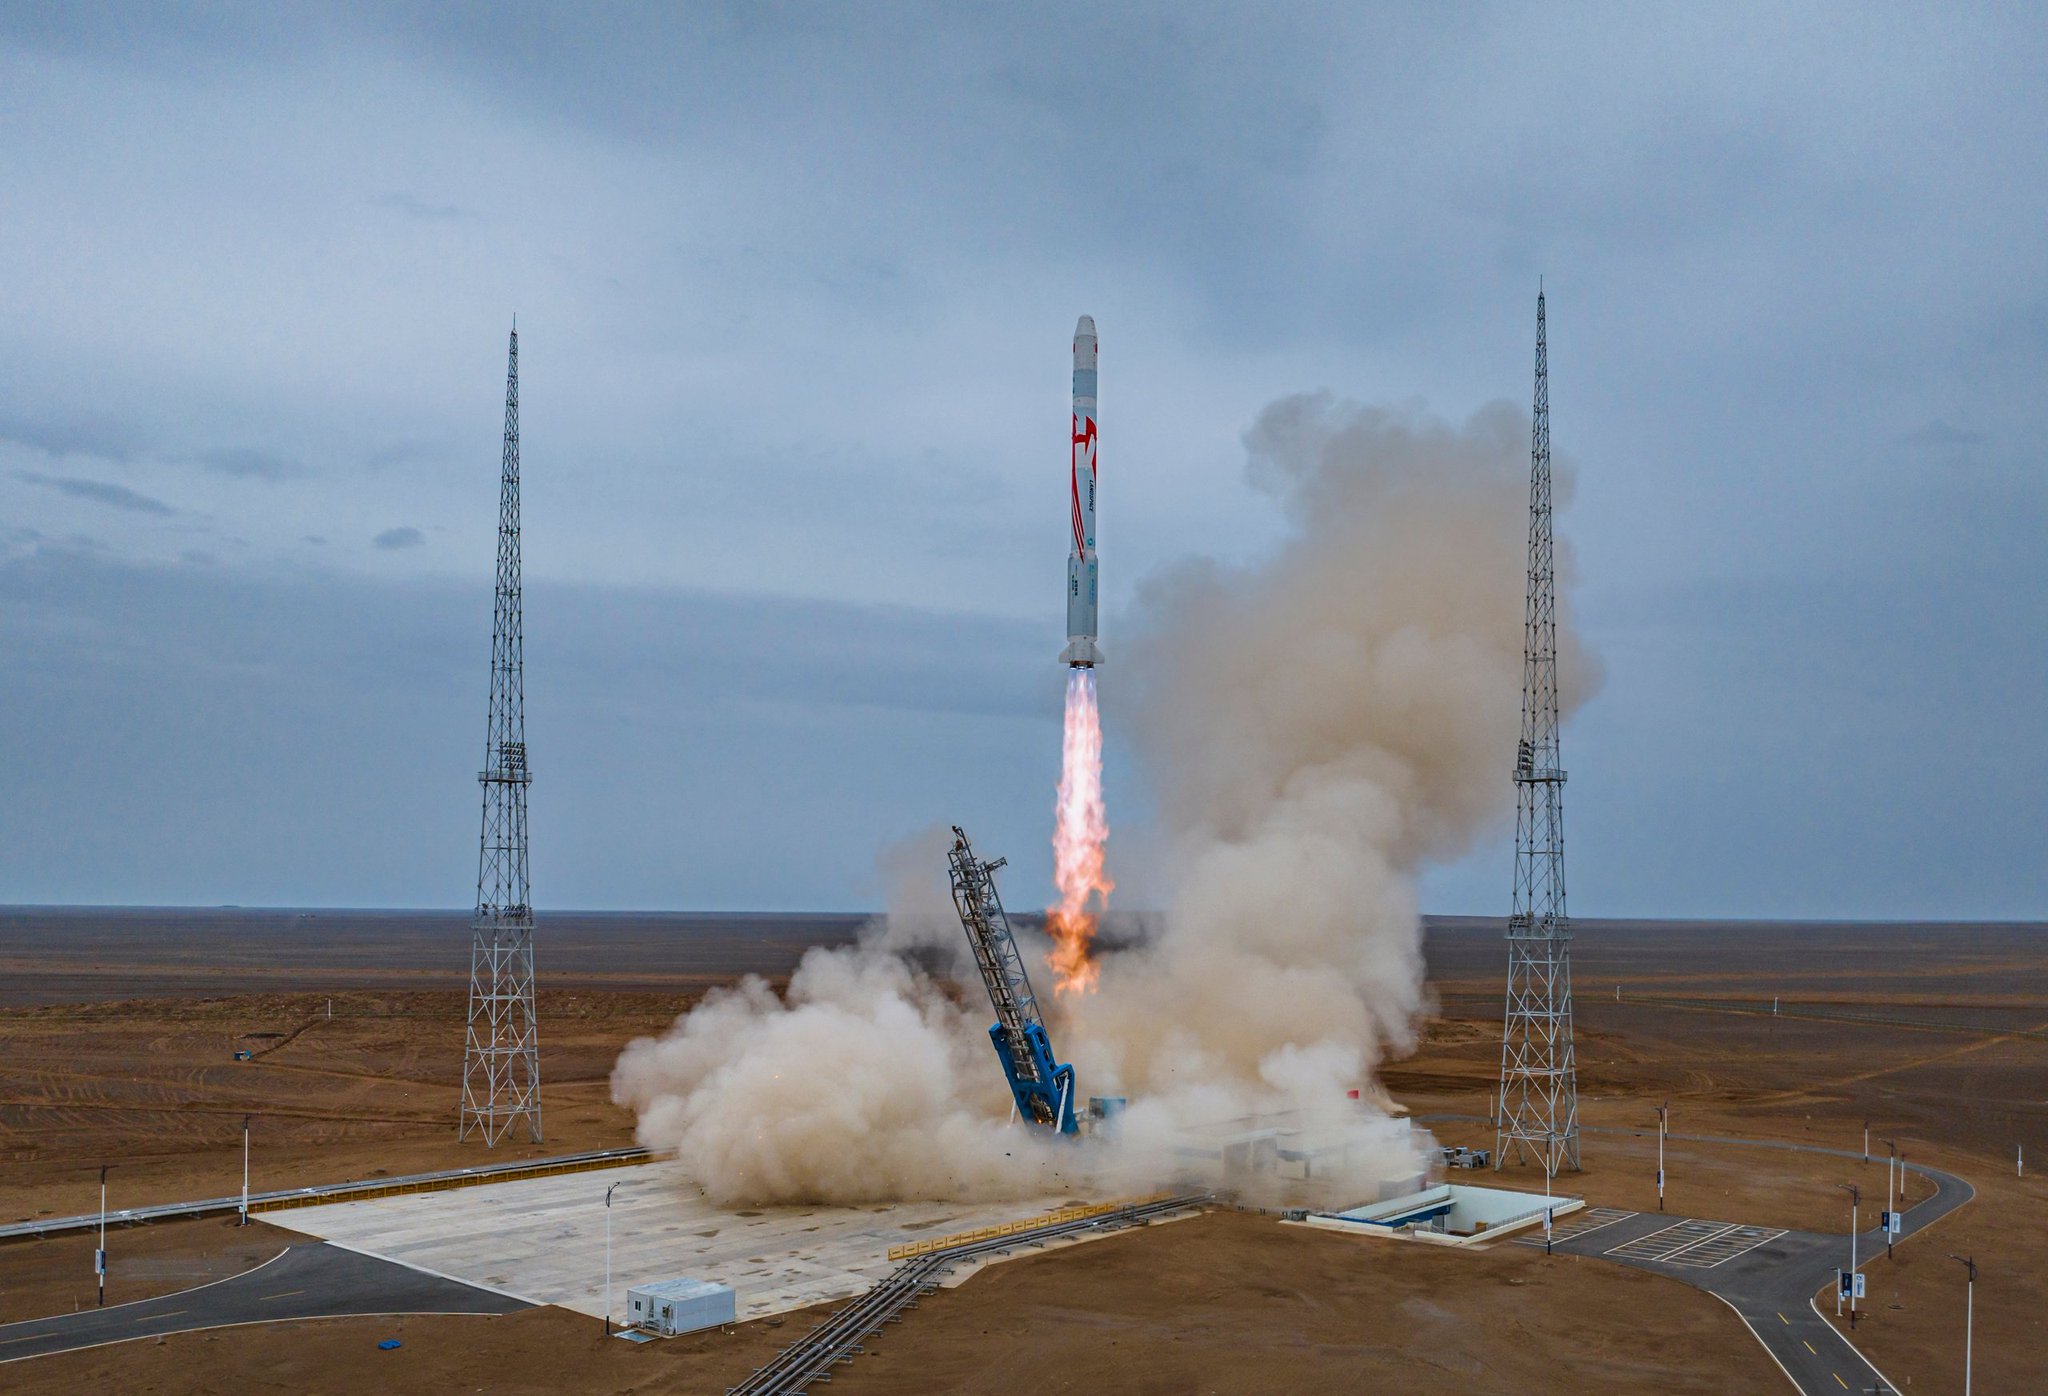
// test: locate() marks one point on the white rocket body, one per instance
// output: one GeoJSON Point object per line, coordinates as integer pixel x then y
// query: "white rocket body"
{"type": "Point", "coordinates": [1082, 584]}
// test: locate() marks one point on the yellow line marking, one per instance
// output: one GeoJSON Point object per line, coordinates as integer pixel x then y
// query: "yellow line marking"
{"type": "Point", "coordinates": [151, 1318]}
{"type": "Point", "coordinates": [283, 1294]}
{"type": "Point", "coordinates": [1838, 1380]}
{"type": "Point", "coordinates": [29, 1338]}
{"type": "Point", "coordinates": [1809, 1347]}
{"type": "Point", "coordinates": [1064, 1214]}
{"type": "Point", "coordinates": [1786, 1321]}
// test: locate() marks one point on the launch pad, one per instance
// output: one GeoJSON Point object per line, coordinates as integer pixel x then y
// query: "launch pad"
{"type": "Point", "coordinates": [543, 1239]}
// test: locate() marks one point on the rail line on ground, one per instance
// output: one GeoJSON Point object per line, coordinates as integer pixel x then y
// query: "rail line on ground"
{"type": "Point", "coordinates": [280, 1199]}
{"type": "Point", "coordinates": [812, 1357]}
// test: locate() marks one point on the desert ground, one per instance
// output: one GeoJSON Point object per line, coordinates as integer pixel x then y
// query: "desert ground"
{"type": "Point", "coordinates": [117, 1042]}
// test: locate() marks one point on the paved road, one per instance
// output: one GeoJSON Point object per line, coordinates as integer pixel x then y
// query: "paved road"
{"type": "Point", "coordinates": [307, 1281]}
{"type": "Point", "coordinates": [1768, 1276]}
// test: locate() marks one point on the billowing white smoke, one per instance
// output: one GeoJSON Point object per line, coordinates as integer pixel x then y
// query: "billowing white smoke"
{"type": "Point", "coordinates": [1319, 726]}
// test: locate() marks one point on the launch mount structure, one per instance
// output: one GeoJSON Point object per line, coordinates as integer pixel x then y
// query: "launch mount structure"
{"type": "Point", "coordinates": [501, 1062]}
{"type": "Point", "coordinates": [1042, 1088]}
{"type": "Point", "coordinates": [1537, 1115]}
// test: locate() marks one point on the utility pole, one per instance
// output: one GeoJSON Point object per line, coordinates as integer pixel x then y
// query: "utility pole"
{"type": "Point", "coordinates": [1969, 1313]}
{"type": "Point", "coordinates": [1663, 1127]}
{"type": "Point", "coordinates": [1855, 1201]}
{"type": "Point", "coordinates": [99, 1257]}
{"type": "Point", "coordinates": [1539, 1083]}
{"type": "Point", "coordinates": [245, 1169]}
{"type": "Point", "coordinates": [501, 1060]}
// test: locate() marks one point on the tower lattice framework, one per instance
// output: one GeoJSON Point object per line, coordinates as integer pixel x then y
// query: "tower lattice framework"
{"type": "Point", "coordinates": [501, 1062]}
{"type": "Point", "coordinates": [1538, 1109]}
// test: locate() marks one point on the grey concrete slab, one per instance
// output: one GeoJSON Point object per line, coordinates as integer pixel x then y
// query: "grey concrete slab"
{"type": "Point", "coordinates": [543, 1239]}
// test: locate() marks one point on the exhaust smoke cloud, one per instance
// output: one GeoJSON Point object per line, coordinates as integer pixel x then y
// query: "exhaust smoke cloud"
{"type": "Point", "coordinates": [1318, 726]}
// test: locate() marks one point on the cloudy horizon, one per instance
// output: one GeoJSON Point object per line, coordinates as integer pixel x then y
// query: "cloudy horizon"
{"type": "Point", "coordinates": [794, 289]}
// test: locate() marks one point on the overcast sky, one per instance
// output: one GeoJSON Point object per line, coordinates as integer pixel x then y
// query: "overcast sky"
{"type": "Point", "coordinates": [795, 286]}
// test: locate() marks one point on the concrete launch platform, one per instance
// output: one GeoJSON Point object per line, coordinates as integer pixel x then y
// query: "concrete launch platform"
{"type": "Point", "coordinates": [543, 1239]}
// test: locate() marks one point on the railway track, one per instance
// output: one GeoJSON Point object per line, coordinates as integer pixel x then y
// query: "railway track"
{"type": "Point", "coordinates": [811, 1358]}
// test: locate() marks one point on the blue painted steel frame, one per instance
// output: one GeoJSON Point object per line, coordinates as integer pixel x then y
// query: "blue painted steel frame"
{"type": "Point", "coordinates": [1054, 1086]}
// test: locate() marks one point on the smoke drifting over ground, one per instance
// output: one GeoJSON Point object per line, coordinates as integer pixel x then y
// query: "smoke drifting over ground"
{"type": "Point", "coordinates": [1319, 726]}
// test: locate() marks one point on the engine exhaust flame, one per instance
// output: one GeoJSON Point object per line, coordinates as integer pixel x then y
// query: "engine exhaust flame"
{"type": "Point", "coordinates": [1080, 829]}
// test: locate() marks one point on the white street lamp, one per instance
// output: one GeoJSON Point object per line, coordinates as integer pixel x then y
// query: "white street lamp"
{"type": "Point", "coordinates": [1969, 1313]}
{"type": "Point", "coordinates": [1855, 1201]}
{"type": "Point", "coordinates": [1891, 1205]}
{"type": "Point", "coordinates": [608, 1258]}
{"type": "Point", "coordinates": [99, 1257]}
{"type": "Point", "coordinates": [1663, 1128]}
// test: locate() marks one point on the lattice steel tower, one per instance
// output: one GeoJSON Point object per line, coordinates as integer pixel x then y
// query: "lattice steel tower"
{"type": "Point", "coordinates": [501, 1064]}
{"type": "Point", "coordinates": [1538, 1110]}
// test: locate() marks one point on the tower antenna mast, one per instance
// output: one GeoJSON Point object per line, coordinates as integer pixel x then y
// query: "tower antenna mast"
{"type": "Point", "coordinates": [1537, 1114]}
{"type": "Point", "coordinates": [501, 1061]}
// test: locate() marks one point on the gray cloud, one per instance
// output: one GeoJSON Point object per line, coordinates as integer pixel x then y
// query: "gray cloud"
{"type": "Point", "coordinates": [99, 492]}
{"type": "Point", "coordinates": [248, 463]}
{"type": "Point", "coordinates": [289, 709]}
{"type": "Point", "coordinates": [1940, 433]}
{"type": "Point", "coordinates": [420, 209]}
{"type": "Point", "coordinates": [82, 436]}
{"type": "Point", "coordinates": [795, 285]}
{"type": "Point", "coordinates": [392, 539]}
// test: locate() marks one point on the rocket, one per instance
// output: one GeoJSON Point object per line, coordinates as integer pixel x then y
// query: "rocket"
{"type": "Point", "coordinates": [1080, 652]}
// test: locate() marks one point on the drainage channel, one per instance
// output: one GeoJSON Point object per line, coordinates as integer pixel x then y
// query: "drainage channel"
{"type": "Point", "coordinates": [812, 1357]}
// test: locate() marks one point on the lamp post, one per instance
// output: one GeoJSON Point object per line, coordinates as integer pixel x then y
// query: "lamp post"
{"type": "Point", "coordinates": [1549, 1166]}
{"type": "Point", "coordinates": [1890, 1195]}
{"type": "Point", "coordinates": [1969, 1263]}
{"type": "Point", "coordinates": [1855, 1201]}
{"type": "Point", "coordinates": [1663, 1128]}
{"type": "Point", "coordinates": [1866, 1141]}
{"type": "Point", "coordinates": [99, 1257]}
{"type": "Point", "coordinates": [245, 1168]}
{"type": "Point", "coordinates": [608, 1258]}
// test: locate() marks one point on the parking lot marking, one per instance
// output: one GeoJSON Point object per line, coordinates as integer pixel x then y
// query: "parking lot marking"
{"type": "Point", "coordinates": [1577, 1225]}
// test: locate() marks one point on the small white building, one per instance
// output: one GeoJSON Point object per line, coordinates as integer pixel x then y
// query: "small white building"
{"type": "Point", "coordinates": [680, 1306]}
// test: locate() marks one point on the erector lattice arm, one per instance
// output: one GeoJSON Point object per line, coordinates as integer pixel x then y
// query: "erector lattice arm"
{"type": "Point", "coordinates": [1044, 1090]}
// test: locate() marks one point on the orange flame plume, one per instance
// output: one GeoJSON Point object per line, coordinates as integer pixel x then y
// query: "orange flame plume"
{"type": "Point", "coordinates": [1080, 829]}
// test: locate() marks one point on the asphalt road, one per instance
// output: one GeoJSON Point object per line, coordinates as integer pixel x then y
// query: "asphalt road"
{"type": "Point", "coordinates": [1766, 1275]}
{"type": "Point", "coordinates": [316, 1280]}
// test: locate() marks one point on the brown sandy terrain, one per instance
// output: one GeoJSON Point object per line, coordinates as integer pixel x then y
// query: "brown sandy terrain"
{"type": "Point", "coordinates": [151, 1085]}
{"type": "Point", "coordinates": [1225, 1303]}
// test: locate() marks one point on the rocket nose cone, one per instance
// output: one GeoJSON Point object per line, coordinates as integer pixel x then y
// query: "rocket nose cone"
{"type": "Point", "coordinates": [1084, 328]}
